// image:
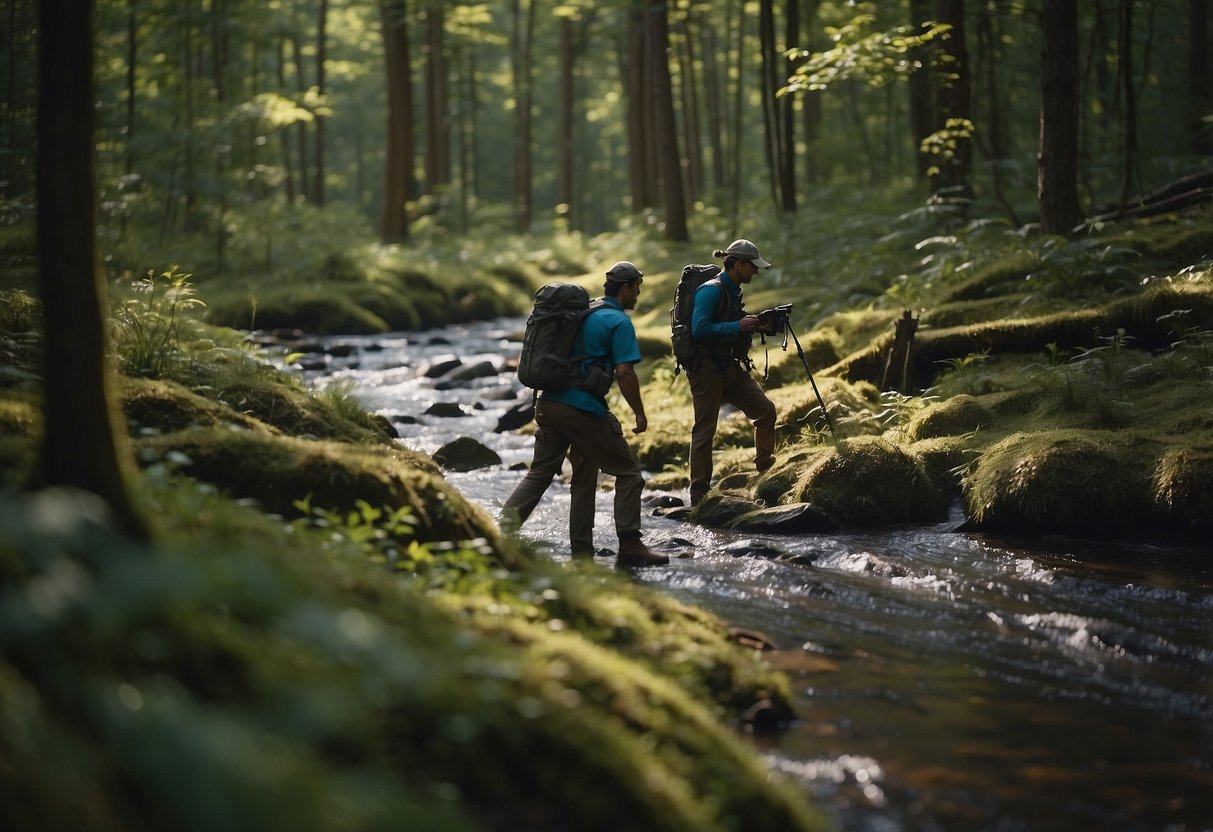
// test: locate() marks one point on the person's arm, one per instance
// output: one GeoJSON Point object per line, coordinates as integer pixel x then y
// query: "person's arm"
{"type": "Point", "coordinates": [705, 327]}
{"type": "Point", "coordinates": [629, 386]}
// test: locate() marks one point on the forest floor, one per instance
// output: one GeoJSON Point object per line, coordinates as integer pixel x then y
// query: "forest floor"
{"type": "Point", "coordinates": [322, 616]}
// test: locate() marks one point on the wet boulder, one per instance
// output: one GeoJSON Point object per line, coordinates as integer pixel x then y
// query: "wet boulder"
{"type": "Point", "coordinates": [440, 367]}
{"type": "Point", "coordinates": [515, 417]}
{"type": "Point", "coordinates": [481, 369]}
{"type": "Point", "coordinates": [466, 454]}
{"type": "Point", "coordinates": [446, 410]}
{"type": "Point", "coordinates": [797, 518]}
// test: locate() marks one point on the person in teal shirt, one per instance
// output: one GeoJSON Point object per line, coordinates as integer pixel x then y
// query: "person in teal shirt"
{"type": "Point", "coordinates": [573, 421]}
{"type": "Point", "coordinates": [721, 370]}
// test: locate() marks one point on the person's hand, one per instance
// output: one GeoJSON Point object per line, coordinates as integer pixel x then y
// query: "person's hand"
{"type": "Point", "coordinates": [748, 324]}
{"type": "Point", "coordinates": [642, 424]}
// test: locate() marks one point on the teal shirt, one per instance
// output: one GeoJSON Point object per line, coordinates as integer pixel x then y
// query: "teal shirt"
{"type": "Point", "coordinates": [609, 339]}
{"type": "Point", "coordinates": [704, 326]}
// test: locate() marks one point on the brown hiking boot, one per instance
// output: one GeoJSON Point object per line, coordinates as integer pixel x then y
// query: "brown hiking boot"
{"type": "Point", "coordinates": [633, 552]}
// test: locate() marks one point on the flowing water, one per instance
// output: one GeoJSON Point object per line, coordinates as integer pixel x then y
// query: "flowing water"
{"type": "Point", "coordinates": [945, 681]}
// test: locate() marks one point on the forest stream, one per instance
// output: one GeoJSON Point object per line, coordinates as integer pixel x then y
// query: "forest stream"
{"type": "Point", "coordinates": [944, 681]}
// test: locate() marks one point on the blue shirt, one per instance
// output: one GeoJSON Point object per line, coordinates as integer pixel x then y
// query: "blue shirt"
{"type": "Point", "coordinates": [704, 326]}
{"type": "Point", "coordinates": [609, 338]}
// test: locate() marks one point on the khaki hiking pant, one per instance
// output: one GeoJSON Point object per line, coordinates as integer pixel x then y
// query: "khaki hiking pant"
{"type": "Point", "coordinates": [713, 384]}
{"type": "Point", "coordinates": [593, 444]}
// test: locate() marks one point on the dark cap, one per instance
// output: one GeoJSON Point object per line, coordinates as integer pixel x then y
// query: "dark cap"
{"type": "Point", "coordinates": [623, 272]}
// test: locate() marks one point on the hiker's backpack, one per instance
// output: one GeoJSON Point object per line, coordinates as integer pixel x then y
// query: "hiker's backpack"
{"type": "Point", "coordinates": [693, 276]}
{"type": "Point", "coordinates": [552, 347]}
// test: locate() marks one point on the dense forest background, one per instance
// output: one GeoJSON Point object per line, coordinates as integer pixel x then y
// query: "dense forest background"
{"type": "Point", "coordinates": [224, 121]}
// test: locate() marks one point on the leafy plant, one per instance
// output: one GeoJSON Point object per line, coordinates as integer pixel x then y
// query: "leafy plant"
{"type": "Point", "coordinates": [151, 324]}
{"type": "Point", "coordinates": [385, 536]}
{"type": "Point", "coordinates": [963, 371]}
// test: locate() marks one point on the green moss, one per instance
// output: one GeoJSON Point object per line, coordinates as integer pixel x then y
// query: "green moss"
{"type": "Point", "coordinates": [958, 415]}
{"type": "Point", "coordinates": [869, 481]}
{"type": "Point", "coordinates": [1074, 482]}
{"type": "Point", "coordinates": [1183, 487]}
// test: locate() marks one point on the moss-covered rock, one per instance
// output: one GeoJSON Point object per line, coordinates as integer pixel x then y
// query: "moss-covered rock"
{"type": "Point", "coordinates": [1072, 482]}
{"type": "Point", "coordinates": [958, 415]}
{"type": "Point", "coordinates": [1183, 487]}
{"type": "Point", "coordinates": [279, 471]}
{"type": "Point", "coordinates": [870, 481]}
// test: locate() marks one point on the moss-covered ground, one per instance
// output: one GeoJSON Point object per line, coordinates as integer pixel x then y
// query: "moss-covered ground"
{"type": "Point", "coordinates": [324, 634]}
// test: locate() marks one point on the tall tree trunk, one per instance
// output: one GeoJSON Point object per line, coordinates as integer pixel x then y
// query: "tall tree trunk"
{"type": "Point", "coordinates": [301, 127]}
{"type": "Point", "coordinates": [564, 164]}
{"type": "Point", "coordinates": [786, 104]}
{"type": "Point", "coordinates": [132, 57]}
{"type": "Point", "coordinates": [1057, 179]}
{"type": "Point", "coordinates": [191, 195]}
{"type": "Point", "coordinates": [922, 89]}
{"type": "Point", "coordinates": [1125, 62]}
{"type": "Point", "coordinates": [714, 95]}
{"type": "Point", "coordinates": [284, 135]}
{"type": "Point", "coordinates": [634, 72]}
{"type": "Point", "coordinates": [993, 141]}
{"type": "Point", "coordinates": [521, 53]}
{"type": "Point", "coordinates": [772, 115]}
{"type": "Point", "coordinates": [1200, 77]}
{"type": "Point", "coordinates": [398, 167]}
{"type": "Point", "coordinates": [665, 131]}
{"type": "Point", "coordinates": [738, 120]}
{"type": "Point", "coordinates": [810, 103]}
{"type": "Point", "coordinates": [322, 13]}
{"type": "Point", "coordinates": [690, 110]}
{"type": "Point", "coordinates": [84, 444]}
{"type": "Point", "coordinates": [955, 100]}
{"type": "Point", "coordinates": [437, 124]}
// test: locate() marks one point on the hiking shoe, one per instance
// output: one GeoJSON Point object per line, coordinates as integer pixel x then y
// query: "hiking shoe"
{"type": "Point", "coordinates": [633, 552]}
{"type": "Point", "coordinates": [583, 554]}
{"type": "Point", "coordinates": [764, 465]}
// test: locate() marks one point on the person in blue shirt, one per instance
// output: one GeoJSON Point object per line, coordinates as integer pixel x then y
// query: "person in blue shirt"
{"type": "Point", "coordinates": [721, 370]}
{"type": "Point", "coordinates": [571, 420]}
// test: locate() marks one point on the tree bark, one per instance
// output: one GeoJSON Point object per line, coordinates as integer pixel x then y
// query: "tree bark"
{"type": "Point", "coordinates": [321, 58]}
{"type": "Point", "coordinates": [1057, 161]}
{"type": "Point", "coordinates": [669, 161]}
{"type": "Point", "coordinates": [922, 90]}
{"type": "Point", "coordinates": [398, 167]}
{"type": "Point", "coordinates": [1125, 51]}
{"type": "Point", "coordinates": [955, 101]}
{"type": "Point", "coordinates": [634, 72]}
{"type": "Point", "coordinates": [1200, 77]}
{"type": "Point", "coordinates": [82, 445]}
{"type": "Point", "coordinates": [714, 93]}
{"type": "Point", "coordinates": [690, 111]}
{"type": "Point", "coordinates": [437, 125]}
{"type": "Point", "coordinates": [564, 165]}
{"type": "Point", "coordinates": [521, 52]}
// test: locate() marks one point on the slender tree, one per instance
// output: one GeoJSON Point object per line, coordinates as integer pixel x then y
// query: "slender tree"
{"type": "Point", "coordinates": [1057, 179]}
{"type": "Point", "coordinates": [82, 446]}
{"type": "Point", "coordinates": [954, 100]}
{"type": "Point", "coordinates": [398, 166]}
{"type": "Point", "coordinates": [521, 54]}
{"type": "Point", "coordinates": [437, 118]}
{"type": "Point", "coordinates": [320, 149]}
{"type": "Point", "coordinates": [669, 161]}
{"type": "Point", "coordinates": [923, 120]}
{"type": "Point", "coordinates": [1129, 171]}
{"type": "Point", "coordinates": [1200, 77]}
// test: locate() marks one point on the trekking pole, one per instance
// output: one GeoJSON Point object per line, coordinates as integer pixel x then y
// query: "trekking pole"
{"type": "Point", "coordinates": [800, 351]}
